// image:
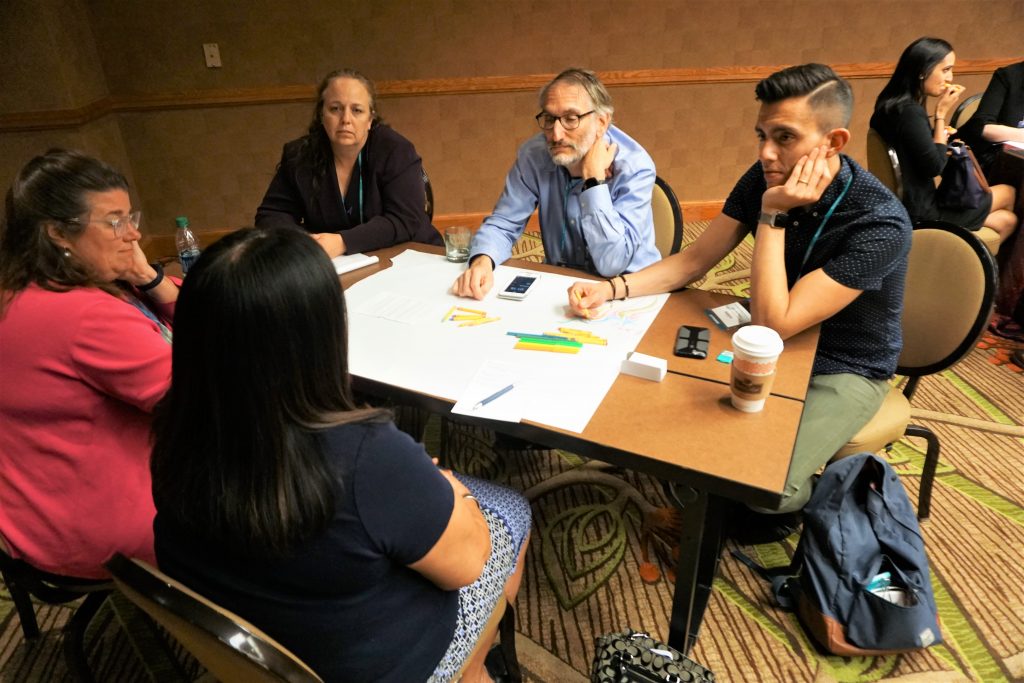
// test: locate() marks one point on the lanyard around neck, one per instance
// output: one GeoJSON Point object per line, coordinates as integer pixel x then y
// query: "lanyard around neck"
{"type": "Point", "coordinates": [821, 226]}
{"type": "Point", "coordinates": [359, 171]}
{"type": "Point", "coordinates": [569, 185]}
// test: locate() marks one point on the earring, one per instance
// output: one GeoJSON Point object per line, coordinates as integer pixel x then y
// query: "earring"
{"type": "Point", "coordinates": [67, 253]}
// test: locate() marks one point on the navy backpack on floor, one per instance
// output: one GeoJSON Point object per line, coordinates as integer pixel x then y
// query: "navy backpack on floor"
{"type": "Point", "coordinates": [859, 579]}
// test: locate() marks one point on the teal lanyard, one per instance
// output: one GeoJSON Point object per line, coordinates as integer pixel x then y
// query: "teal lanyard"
{"type": "Point", "coordinates": [817, 233]}
{"type": "Point", "coordinates": [359, 170]}
{"type": "Point", "coordinates": [565, 219]}
{"type": "Point", "coordinates": [165, 332]}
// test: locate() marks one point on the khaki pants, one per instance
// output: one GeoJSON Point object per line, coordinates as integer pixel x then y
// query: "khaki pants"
{"type": "Point", "coordinates": [836, 408]}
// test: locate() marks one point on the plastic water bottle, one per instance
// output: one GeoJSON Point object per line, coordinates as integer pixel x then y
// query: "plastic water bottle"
{"type": "Point", "coordinates": [188, 245]}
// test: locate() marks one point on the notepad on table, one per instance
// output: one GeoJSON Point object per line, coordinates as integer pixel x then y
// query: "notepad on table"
{"type": "Point", "coordinates": [347, 262]}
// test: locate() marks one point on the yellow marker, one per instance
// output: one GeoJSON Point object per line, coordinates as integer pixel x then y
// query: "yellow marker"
{"type": "Point", "coordinates": [582, 339]}
{"type": "Point", "coordinates": [569, 330]}
{"type": "Point", "coordinates": [450, 311]}
{"type": "Point", "coordinates": [579, 300]}
{"type": "Point", "coordinates": [470, 310]}
{"type": "Point", "coordinates": [554, 348]}
{"type": "Point", "coordinates": [467, 317]}
{"type": "Point", "coordinates": [481, 321]}
{"type": "Point", "coordinates": [582, 335]}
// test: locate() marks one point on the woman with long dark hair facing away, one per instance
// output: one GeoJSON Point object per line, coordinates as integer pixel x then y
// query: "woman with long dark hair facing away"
{"type": "Point", "coordinates": [925, 70]}
{"type": "Point", "coordinates": [352, 181]}
{"type": "Point", "coordinates": [314, 518]}
{"type": "Point", "coordinates": [85, 354]}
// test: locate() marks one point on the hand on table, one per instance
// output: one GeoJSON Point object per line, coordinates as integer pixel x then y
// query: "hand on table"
{"type": "Point", "coordinates": [331, 242]}
{"type": "Point", "coordinates": [587, 299]}
{"type": "Point", "coordinates": [477, 280]}
{"type": "Point", "coordinates": [805, 185]}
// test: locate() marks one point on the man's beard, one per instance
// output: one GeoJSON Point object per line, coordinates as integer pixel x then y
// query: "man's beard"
{"type": "Point", "coordinates": [571, 158]}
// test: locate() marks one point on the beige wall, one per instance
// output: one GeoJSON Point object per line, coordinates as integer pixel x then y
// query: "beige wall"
{"type": "Point", "coordinates": [214, 163]}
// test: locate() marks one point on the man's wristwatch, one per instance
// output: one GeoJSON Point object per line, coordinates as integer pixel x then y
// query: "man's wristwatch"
{"type": "Point", "coordinates": [775, 219]}
{"type": "Point", "coordinates": [591, 182]}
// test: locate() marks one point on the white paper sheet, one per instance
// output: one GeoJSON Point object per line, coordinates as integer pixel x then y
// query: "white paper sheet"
{"type": "Point", "coordinates": [423, 351]}
{"type": "Point", "coordinates": [491, 377]}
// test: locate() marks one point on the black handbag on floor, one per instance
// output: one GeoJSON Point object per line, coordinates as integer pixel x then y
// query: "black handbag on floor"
{"type": "Point", "coordinates": [634, 657]}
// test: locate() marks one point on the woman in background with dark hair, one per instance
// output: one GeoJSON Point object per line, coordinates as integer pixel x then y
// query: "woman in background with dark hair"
{"type": "Point", "coordinates": [85, 354]}
{"type": "Point", "coordinates": [282, 500]}
{"type": "Point", "coordinates": [925, 70]}
{"type": "Point", "coordinates": [351, 181]}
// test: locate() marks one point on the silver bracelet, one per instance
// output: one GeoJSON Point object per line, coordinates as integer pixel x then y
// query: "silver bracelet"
{"type": "Point", "coordinates": [470, 496]}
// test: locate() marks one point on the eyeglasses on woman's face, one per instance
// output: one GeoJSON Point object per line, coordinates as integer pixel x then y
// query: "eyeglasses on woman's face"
{"type": "Point", "coordinates": [119, 224]}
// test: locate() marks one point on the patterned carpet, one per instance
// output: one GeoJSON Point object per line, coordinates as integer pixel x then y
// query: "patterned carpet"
{"type": "Point", "coordinates": [587, 571]}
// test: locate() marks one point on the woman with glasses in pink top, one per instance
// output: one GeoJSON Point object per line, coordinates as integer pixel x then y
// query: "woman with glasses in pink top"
{"type": "Point", "coordinates": [85, 353]}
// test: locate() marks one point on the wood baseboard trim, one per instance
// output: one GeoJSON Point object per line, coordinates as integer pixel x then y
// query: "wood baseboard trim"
{"type": "Point", "coordinates": [19, 122]}
{"type": "Point", "coordinates": [162, 246]}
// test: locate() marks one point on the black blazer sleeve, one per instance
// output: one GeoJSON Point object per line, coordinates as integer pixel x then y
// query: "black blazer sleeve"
{"type": "Point", "coordinates": [285, 201]}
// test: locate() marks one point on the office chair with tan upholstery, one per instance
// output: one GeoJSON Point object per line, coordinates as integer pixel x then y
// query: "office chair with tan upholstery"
{"type": "Point", "coordinates": [964, 111]}
{"type": "Point", "coordinates": [231, 648]}
{"type": "Point", "coordinates": [24, 582]}
{"type": "Point", "coordinates": [668, 218]}
{"type": "Point", "coordinates": [884, 164]}
{"type": "Point", "coordinates": [950, 291]}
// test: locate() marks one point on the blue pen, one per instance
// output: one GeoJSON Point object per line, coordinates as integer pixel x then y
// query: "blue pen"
{"type": "Point", "coordinates": [497, 394]}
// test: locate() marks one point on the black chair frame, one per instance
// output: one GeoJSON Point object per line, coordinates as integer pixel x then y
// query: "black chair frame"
{"type": "Point", "coordinates": [954, 120]}
{"type": "Point", "coordinates": [677, 214]}
{"type": "Point", "coordinates": [915, 373]}
{"type": "Point", "coordinates": [25, 582]}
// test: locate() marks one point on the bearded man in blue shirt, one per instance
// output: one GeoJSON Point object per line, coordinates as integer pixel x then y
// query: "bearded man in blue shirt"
{"type": "Point", "coordinates": [593, 185]}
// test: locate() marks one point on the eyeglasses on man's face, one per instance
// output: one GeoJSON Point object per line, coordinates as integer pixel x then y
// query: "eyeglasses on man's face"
{"type": "Point", "coordinates": [118, 223]}
{"type": "Point", "coordinates": [570, 121]}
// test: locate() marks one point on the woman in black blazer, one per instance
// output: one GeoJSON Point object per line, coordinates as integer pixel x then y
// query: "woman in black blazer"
{"type": "Point", "coordinates": [925, 70]}
{"type": "Point", "coordinates": [351, 181]}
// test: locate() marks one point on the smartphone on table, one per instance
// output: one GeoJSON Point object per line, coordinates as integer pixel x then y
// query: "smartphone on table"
{"type": "Point", "coordinates": [519, 287]}
{"type": "Point", "coordinates": [692, 342]}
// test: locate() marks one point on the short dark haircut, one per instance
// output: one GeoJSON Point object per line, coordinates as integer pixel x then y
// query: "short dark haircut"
{"type": "Point", "coordinates": [259, 369]}
{"type": "Point", "coordinates": [828, 94]}
{"type": "Point", "coordinates": [916, 63]}
{"type": "Point", "coordinates": [317, 145]}
{"type": "Point", "coordinates": [49, 190]}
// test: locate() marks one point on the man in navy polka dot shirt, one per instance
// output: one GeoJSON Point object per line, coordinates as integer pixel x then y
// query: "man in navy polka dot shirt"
{"type": "Point", "coordinates": [831, 245]}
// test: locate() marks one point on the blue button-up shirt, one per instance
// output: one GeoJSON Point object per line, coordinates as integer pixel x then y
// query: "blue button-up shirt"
{"type": "Point", "coordinates": [607, 230]}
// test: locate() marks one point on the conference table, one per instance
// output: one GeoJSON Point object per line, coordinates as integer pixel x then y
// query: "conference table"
{"type": "Point", "coordinates": [682, 430]}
